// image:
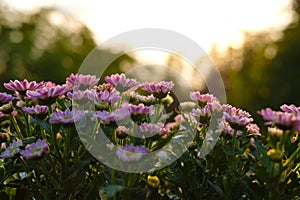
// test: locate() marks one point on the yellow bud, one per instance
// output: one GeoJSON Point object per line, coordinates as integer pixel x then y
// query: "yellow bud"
{"type": "Point", "coordinates": [153, 181]}
{"type": "Point", "coordinates": [275, 155]}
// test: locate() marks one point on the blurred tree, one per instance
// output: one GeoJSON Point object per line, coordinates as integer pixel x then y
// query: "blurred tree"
{"type": "Point", "coordinates": [264, 71]}
{"type": "Point", "coordinates": [46, 45]}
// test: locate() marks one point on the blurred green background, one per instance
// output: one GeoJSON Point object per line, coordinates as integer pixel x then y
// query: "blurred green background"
{"type": "Point", "coordinates": [263, 72]}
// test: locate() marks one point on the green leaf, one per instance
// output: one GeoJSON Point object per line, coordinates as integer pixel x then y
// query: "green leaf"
{"type": "Point", "coordinates": [42, 123]}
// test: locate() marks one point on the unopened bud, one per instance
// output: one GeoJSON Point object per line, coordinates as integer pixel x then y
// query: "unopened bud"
{"type": "Point", "coordinates": [153, 181]}
{"type": "Point", "coordinates": [275, 155]}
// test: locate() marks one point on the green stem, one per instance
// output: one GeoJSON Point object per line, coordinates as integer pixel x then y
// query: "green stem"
{"type": "Point", "coordinates": [26, 170]}
{"type": "Point", "coordinates": [113, 181]}
{"type": "Point", "coordinates": [15, 123]}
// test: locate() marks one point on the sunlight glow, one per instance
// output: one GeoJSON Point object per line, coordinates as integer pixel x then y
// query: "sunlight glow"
{"type": "Point", "coordinates": [210, 22]}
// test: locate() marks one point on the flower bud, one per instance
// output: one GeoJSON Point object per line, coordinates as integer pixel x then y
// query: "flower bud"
{"type": "Point", "coordinates": [192, 146]}
{"type": "Point", "coordinates": [275, 155]}
{"type": "Point", "coordinates": [7, 108]}
{"type": "Point", "coordinates": [153, 181]}
{"type": "Point", "coordinates": [168, 100]}
{"type": "Point", "coordinates": [3, 137]}
{"type": "Point", "coordinates": [244, 156]}
{"type": "Point", "coordinates": [275, 132]}
{"type": "Point", "coordinates": [121, 132]}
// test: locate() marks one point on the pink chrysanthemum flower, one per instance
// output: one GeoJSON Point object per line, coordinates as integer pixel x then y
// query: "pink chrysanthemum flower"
{"type": "Point", "coordinates": [22, 86]}
{"type": "Point", "coordinates": [208, 109]}
{"type": "Point", "coordinates": [284, 120]}
{"type": "Point", "coordinates": [202, 99]}
{"type": "Point", "coordinates": [36, 110]}
{"type": "Point", "coordinates": [103, 116]}
{"type": "Point", "coordinates": [5, 98]}
{"type": "Point", "coordinates": [107, 117]}
{"type": "Point", "coordinates": [48, 94]}
{"type": "Point", "coordinates": [80, 97]}
{"type": "Point", "coordinates": [253, 129]}
{"type": "Point", "coordinates": [79, 80]}
{"type": "Point", "coordinates": [12, 150]}
{"type": "Point", "coordinates": [121, 83]}
{"type": "Point", "coordinates": [291, 109]}
{"type": "Point", "coordinates": [49, 84]}
{"type": "Point", "coordinates": [151, 129]}
{"type": "Point", "coordinates": [159, 90]}
{"type": "Point", "coordinates": [104, 86]}
{"type": "Point", "coordinates": [225, 127]}
{"type": "Point", "coordinates": [35, 150]}
{"type": "Point", "coordinates": [120, 114]}
{"type": "Point", "coordinates": [66, 117]}
{"type": "Point", "coordinates": [138, 109]}
{"type": "Point", "coordinates": [131, 153]}
{"type": "Point", "coordinates": [236, 117]}
{"type": "Point", "coordinates": [103, 96]}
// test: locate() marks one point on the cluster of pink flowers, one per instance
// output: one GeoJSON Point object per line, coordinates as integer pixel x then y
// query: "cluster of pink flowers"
{"type": "Point", "coordinates": [106, 97]}
{"type": "Point", "coordinates": [31, 151]}
{"type": "Point", "coordinates": [232, 119]}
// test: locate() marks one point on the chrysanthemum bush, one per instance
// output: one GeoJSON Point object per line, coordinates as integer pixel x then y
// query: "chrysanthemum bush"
{"type": "Point", "coordinates": [43, 155]}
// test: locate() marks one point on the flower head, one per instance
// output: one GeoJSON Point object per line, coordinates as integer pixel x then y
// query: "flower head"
{"type": "Point", "coordinates": [104, 86]}
{"type": "Point", "coordinates": [253, 129]}
{"type": "Point", "coordinates": [66, 117]}
{"type": "Point", "coordinates": [130, 153]}
{"type": "Point", "coordinates": [107, 117]}
{"type": "Point", "coordinates": [120, 114]}
{"type": "Point", "coordinates": [35, 110]}
{"type": "Point", "coordinates": [120, 82]}
{"type": "Point", "coordinates": [78, 95]}
{"type": "Point", "coordinates": [202, 99]}
{"type": "Point", "coordinates": [103, 116]}
{"type": "Point", "coordinates": [159, 90]}
{"type": "Point", "coordinates": [5, 98]}
{"type": "Point", "coordinates": [22, 86]}
{"type": "Point", "coordinates": [103, 96]}
{"type": "Point", "coordinates": [151, 129]}
{"type": "Point", "coordinates": [290, 109]}
{"type": "Point", "coordinates": [147, 100]}
{"type": "Point", "coordinates": [208, 109]}
{"type": "Point", "coordinates": [79, 80]}
{"type": "Point", "coordinates": [12, 150]}
{"type": "Point", "coordinates": [283, 120]}
{"type": "Point", "coordinates": [35, 150]}
{"type": "Point", "coordinates": [138, 109]}
{"type": "Point", "coordinates": [236, 117]}
{"type": "Point", "coordinates": [225, 127]}
{"type": "Point", "coordinates": [47, 93]}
